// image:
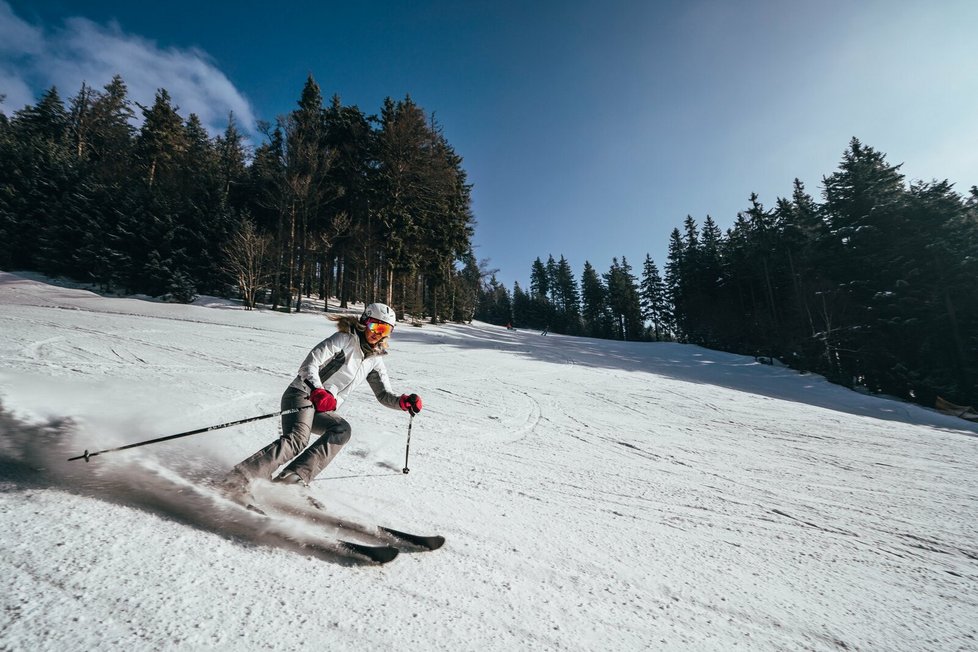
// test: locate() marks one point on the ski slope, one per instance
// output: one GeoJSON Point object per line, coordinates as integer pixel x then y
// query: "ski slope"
{"type": "Point", "coordinates": [595, 495]}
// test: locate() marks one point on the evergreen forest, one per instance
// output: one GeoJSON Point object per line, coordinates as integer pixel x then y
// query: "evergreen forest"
{"type": "Point", "coordinates": [334, 202]}
{"type": "Point", "coordinates": [874, 287]}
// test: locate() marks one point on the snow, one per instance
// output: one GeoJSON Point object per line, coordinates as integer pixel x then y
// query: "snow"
{"type": "Point", "coordinates": [595, 495]}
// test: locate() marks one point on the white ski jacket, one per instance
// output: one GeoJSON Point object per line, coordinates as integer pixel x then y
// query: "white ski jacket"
{"type": "Point", "coordinates": [339, 365]}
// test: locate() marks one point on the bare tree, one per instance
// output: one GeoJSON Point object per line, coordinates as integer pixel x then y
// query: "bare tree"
{"type": "Point", "coordinates": [248, 261]}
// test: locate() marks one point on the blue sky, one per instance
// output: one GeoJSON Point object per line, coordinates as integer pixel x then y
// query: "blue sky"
{"type": "Point", "coordinates": [589, 129]}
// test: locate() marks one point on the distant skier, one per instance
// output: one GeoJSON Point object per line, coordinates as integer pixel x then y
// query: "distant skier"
{"type": "Point", "coordinates": [333, 369]}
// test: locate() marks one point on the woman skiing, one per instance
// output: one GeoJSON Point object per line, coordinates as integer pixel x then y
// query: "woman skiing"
{"type": "Point", "coordinates": [333, 369]}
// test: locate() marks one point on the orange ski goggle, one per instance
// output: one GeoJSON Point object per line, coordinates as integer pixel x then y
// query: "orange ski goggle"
{"type": "Point", "coordinates": [379, 327]}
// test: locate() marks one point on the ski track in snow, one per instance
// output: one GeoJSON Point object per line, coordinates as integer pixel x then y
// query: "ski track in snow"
{"type": "Point", "coordinates": [595, 495]}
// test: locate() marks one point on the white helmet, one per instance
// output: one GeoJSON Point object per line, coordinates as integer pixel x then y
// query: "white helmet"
{"type": "Point", "coordinates": [380, 312]}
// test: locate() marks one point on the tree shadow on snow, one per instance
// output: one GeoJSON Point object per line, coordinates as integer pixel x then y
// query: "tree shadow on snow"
{"type": "Point", "coordinates": [688, 363]}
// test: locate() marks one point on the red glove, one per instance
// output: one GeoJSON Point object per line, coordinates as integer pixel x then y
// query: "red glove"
{"type": "Point", "coordinates": [410, 403]}
{"type": "Point", "coordinates": [323, 400]}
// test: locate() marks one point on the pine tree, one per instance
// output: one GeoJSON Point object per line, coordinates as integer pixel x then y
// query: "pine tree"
{"type": "Point", "coordinates": [863, 203]}
{"type": "Point", "coordinates": [470, 289]}
{"type": "Point", "coordinates": [203, 221]}
{"type": "Point", "coordinates": [551, 268]}
{"type": "Point", "coordinates": [161, 144]}
{"type": "Point", "coordinates": [144, 237]}
{"type": "Point", "coordinates": [307, 164]}
{"type": "Point", "coordinates": [595, 311]}
{"type": "Point", "coordinates": [567, 299]}
{"type": "Point", "coordinates": [497, 305]}
{"type": "Point", "coordinates": [522, 307]}
{"type": "Point", "coordinates": [446, 227]}
{"type": "Point", "coordinates": [8, 220]}
{"type": "Point", "coordinates": [81, 117]}
{"type": "Point", "coordinates": [401, 182]}
{"type": "Point", "coordinates": [803, 232]}
{"type": "Point", "coordinates": [539, 279]}
{"type": "Point", "coordinates": [110, 138]}
{"type": "Point", "coordinates": [653, 299]}
{"type": "Point", "coordinates": [231, 163]}
{"type": "Point", "coordinates": [676, 284]}
{"type": "Point", "coordinates": [539, 313]}
{"type": "Point", "coordinates": [697, 300]}
{"type": "Point", "coordinates": [39, 174]}
{"type": "Point", "coordinates": [922, 346]}
{"type": "Point", "coordinates": [623, 298]}
{"type": "Point", "coordinates": [764, 239]}
{"type": "Point", "coordinates": [348, 222]}
{"type": "Point", "coordinates": [45, 124]}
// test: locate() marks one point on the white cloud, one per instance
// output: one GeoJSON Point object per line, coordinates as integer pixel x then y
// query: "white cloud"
{"type": "Point", "coordinates": [17, 36]}
{"type": "Point", "coordinates": [14, 90]}
{"type": "Point", "coordinates": [84, 51]}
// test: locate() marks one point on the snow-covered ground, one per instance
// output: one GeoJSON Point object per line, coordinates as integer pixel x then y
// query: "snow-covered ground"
{"type": "Point", "coordinates": [595, 495]}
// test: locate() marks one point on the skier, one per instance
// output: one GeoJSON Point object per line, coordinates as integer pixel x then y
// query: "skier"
{"type": "Point", "coordinates": [333, 369]}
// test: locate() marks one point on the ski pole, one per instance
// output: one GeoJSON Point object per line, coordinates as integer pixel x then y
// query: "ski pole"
{"type": "Point", "coordinates": [86, 455]}
{"type": "Point", "coordinates": [407, 447]}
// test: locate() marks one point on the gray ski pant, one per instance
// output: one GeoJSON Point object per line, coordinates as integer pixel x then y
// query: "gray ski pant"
{"type": "Point", "coordinates": [333, 432]}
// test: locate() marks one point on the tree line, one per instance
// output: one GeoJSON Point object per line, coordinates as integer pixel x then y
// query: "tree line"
{"type": "Point", "coordinates": [333, 202]}
{"type": "Point", "coordinates": [876, 286]}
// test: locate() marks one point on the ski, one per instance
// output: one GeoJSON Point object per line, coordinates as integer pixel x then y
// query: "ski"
{"type": "Point", "coordinates": [254, 524]}
{"type": "Point", "coordinates": [380, 554]}
{"type": "Point", "coordinates": [315, 512]}
{"type": "Point", "coordinates": [431, 542]}
{"type": "Point", "coordinates": [376, 553]}
{"type": "Point", "coordinates": [428, 542]}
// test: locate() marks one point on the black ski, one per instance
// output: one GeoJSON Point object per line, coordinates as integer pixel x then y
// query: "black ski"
{"type": "Point", "coordinates": [378, 553]}
{"type": "Point", "coordinates": [269, 528]}
{"type": "Point", "coordinates": [315, 512]}
{"type": "Point", "coordinates": [428, 542]}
